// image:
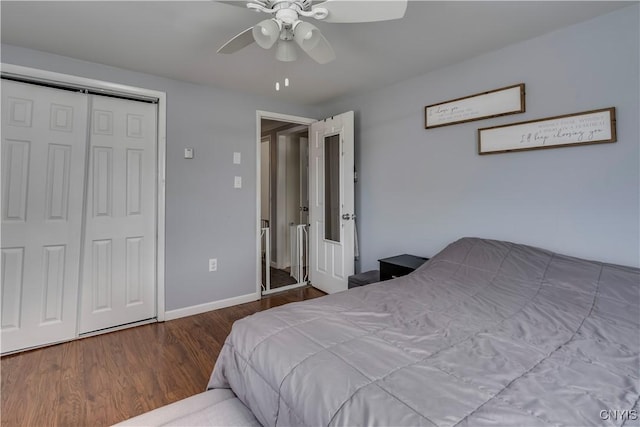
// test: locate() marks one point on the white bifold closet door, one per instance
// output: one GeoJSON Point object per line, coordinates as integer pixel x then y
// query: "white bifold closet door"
{"type": "Point", "coordinates": [118, 264]}
{"type": "Point", "coordinates": [44, 133]}
{"type": "Point", "coordinates": [78, 214]}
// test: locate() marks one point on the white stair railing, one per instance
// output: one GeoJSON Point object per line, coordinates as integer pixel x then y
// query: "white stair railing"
{"type": "Point", "coordinates": [266, 252]}
{"type": "Point", "coordinates": [299, 252]}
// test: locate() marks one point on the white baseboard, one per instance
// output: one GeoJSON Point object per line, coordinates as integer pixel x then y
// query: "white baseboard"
{"type": "Point", "coordinates": [214, 305]}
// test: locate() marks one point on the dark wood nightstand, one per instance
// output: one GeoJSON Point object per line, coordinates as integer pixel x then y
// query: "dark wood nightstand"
{"type": "Point", "coordinates": [400, 265]}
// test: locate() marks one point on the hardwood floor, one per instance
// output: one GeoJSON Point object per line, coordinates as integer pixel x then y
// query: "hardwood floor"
{"type": "Point", "coordinates": [108, 378]}
{"type": "Point", "coordinates": [278, 277]}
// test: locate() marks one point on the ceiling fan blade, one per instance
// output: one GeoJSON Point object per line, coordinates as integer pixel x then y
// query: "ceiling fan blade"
{"type": "Point", "coordinates": [349, 11]}
{"type": "Point", "coordinates": [243, 39]}
{"type": "Point", "coordinates": [322, 52]}
{"type": "Point", "coordinates": [239, 3]}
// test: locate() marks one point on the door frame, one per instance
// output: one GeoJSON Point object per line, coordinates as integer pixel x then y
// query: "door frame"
{"type": "Point", "coordinates": [44, 76]}
{"type": "Point", "coordinates": [260, 114]}
{"type": "Point", "coordinates": [282, 199]}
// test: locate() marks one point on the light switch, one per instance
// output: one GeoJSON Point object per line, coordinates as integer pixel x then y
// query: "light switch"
{"type": "Point", "coordinates": [236, 158]}
{"type": "Point", "coordinates": [237, 182]}
{"type": "Point", "coordinates": [188, 153]}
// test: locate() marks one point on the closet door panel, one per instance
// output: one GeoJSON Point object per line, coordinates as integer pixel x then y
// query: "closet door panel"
{"type": "Point", "coordinates": [44, 134]}
{"type": "Point", "coordinates": [119, 283]}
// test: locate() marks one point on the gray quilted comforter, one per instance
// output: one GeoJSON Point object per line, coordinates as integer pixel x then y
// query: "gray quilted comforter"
{"type": "Point", "coordinates": [486, 333]}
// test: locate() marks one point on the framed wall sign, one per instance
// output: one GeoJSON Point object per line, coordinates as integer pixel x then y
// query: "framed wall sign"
{"type": "Point", "coordinates": [589, 127]}
{"type": "Point", "coordinates": [494, 103]}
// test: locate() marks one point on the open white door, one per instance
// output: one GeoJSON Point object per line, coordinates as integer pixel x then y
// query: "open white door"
{"type": "Point", "coordinates": [331, 202]}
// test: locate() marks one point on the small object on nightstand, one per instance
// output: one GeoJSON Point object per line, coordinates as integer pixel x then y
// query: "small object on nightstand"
{"type": "Point", "coordinates": [400, 265]}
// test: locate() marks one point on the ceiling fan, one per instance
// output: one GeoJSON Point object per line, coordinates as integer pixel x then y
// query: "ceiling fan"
{"type": "Point", "coordinates": [285, 30]}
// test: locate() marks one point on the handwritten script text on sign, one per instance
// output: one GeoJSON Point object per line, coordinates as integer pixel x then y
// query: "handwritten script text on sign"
{"type": "Point", "coordinates": [475, 107]}
{"type": "Point", "coordinates": [584, 128]}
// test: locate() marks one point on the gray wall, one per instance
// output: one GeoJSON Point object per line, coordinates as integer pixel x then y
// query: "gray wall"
{"type": "Point", "coordinates": [205, 216]}
{"type": "Point", "coordinates": [421, 189]}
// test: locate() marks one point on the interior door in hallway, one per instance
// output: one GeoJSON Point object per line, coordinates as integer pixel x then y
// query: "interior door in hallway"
{"type": "Point", "coordinates": [118, 277]}
{"type": "Point", "coordinates": [43, 160]}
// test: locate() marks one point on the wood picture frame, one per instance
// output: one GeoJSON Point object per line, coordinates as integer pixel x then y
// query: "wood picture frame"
{"type": "Point", "coordinates": [588, 127]}
{"type": "Point", "coordinates": [493, 103]}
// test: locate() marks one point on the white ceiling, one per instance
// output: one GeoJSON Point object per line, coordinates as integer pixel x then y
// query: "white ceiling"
{"type": "Point", "coordinates": [179, 40]}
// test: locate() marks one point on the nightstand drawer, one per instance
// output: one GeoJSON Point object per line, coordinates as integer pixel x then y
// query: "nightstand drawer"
{"type": "Point", "coordinates": [400, 265]}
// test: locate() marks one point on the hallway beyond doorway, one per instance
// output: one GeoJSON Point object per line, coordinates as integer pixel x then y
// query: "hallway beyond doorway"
{"type": "Point", "coordinates": [279, 277]}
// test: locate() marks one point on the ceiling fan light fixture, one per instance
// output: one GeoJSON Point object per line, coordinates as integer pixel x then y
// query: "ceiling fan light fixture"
{"type": "Point", "coordinates": [286, 51]}
{"type": "Point", "coordinates": [306, 35]}
{"type": "Point", "coordinates": [266, 33]}
{"type": "Point", "coordinates": [321, 52]}
{"type": "Point", "coordinates": [287, 30]}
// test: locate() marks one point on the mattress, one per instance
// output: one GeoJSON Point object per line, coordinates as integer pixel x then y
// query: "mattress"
{"type": "Point", "coordinates": [486, 333]}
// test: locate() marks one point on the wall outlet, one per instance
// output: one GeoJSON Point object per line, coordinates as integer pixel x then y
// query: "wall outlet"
{"type": "Point", "coordinates": [213, 264]}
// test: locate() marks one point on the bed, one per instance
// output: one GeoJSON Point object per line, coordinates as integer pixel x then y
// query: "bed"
{"type": "Point", "coordinates": [486, 333]}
